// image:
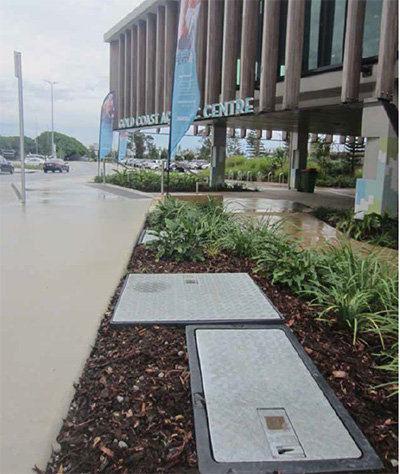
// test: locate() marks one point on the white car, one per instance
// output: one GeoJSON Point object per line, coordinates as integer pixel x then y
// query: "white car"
{"type": "Point", "coordinates": [34, 161]}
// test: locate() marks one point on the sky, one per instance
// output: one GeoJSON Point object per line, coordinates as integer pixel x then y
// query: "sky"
{"type": "Point", "coordinates": [60, 41]}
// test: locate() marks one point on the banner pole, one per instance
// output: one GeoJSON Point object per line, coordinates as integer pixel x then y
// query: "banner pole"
{"type": "Point", "coordinates": [172, 102]}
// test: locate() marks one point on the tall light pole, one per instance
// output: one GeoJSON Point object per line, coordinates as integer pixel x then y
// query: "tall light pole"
{"type": "Point", "coordinates": [52, 118]}
{"type": "Point", "coordinates": [18, 75]}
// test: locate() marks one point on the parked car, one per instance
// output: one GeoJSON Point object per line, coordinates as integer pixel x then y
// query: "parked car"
{"type": "Point", "coordinates": [34, 161]}
{"type": "Point", "coordinates": [56, 165]}
{"type": "Point", "coordinates": [6, 166]}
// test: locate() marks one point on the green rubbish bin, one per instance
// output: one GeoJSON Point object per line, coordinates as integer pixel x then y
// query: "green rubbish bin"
{"type": "Point", "coordinates": [308, 177]}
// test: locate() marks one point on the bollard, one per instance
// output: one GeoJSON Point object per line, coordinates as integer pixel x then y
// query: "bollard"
{"type": "Point", "coordinates": [249, 176]}
{"type": "Point", "coordinates": [269, 178]}
{"type": "Point", "coordinates": [259, 176]}
{"type": "Point", "coordinates": [281, 175]}
{"type": "Point", "coordinates": [197, 187]}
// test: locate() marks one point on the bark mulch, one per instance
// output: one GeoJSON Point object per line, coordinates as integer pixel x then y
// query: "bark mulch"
{"type": "Point", "coordinates": [132, 412]}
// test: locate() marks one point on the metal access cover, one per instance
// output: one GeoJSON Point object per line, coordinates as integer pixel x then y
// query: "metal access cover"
{"type": "Point", "coordinates": [261, 406]}
{"type": "Point", "coordinates": [184, 298]}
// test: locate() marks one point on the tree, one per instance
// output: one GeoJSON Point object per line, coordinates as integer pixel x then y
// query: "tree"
{"type": "Point", "coordinates": [354, 153]}
{"type": "Point", "coordinates": [281, 156]}
{"type": "Point", "coordinates": [205, 149]}
{"type": "Point", "coordinates": [12, 143]}
{"type": "Point", "coordinates": [92, 151]}
{"type": "Point", "coordinates": [66, 147]}
{"type": "Point", "coordinates": [233, 146]}
{"type": "Point", "coordinates": [139, 147]}
{"type": "Point", "coordinates": [152, 152]}
{"type": "Point", "coordinates": [164, 154]}
{"type": "Point", "coordinates": [254, 147]}
{"type": "Point", "coordinates": [321, 152]}
{"type": "Point", "coordinates": [188, 155]}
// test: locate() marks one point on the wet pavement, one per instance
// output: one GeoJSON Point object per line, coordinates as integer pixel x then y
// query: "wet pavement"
{"type": "Point", "coordinates": [62, 255]}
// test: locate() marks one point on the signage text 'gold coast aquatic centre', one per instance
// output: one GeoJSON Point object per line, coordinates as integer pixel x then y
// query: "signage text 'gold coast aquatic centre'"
{"type": "Point", "coordinates": [220, 109]}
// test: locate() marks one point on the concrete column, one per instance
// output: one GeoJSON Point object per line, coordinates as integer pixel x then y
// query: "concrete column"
{"type": "Point", "coordinates": [114, 54]}
{"type": "Point", "coordinates": [388, 46]}
{"type": "Point", "coordinates": [248, 51]}
{"type": "Point", "coordinates": [160, 61]}
{"type": "Point", "coordinates": [218, 156]}
{"type": "Point", "coordinates": [353, 50]}
{"type": "Point", "coordinates": [269, 60]}
{"type": "Point", "coordinates": [293, 53]}
{"type": "Point", "coordinates": [201, 49]}
{"type": "Point", "coordinates": [377, 191]}
{"type": "Point", "coordinates": [298, 157]}
{"type": "Point", "coordinates": [171, 28]}
{"type": "Point", "coordinates": [121, 77]}
{"type": "Point", "coordinates": [134, 76]}
{"type": "Point", "coordinates": [230, 49]}
{"type": "Point", "coordinates": [128, 57]}
{"type": "Point", "coordinates": [150, 62]}
{"type": "Point", "coordinates": [214, 50]}
{"type": "Point", "coordinates": [141, 69]}
{"type": "Point", "coordinates": [114, 71]}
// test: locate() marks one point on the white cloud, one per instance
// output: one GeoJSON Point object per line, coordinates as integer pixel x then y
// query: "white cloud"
{"type": "Point", "coordinates": [63, 42]}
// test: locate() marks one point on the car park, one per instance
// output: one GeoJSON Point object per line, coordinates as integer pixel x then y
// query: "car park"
{"type": "Point", "coordinates": [6, 166]}
{"type": "Point", "coordinates": [56, 165]}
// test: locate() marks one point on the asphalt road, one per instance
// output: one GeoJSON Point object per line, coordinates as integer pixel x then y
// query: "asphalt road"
{"type": "Point", "coordinates": [78, 170]}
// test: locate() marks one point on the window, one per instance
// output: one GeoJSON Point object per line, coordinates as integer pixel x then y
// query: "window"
{"type": "Point", "coordinates": [323, 33]}
{"type": "Point", "coordinates": [372, 28]}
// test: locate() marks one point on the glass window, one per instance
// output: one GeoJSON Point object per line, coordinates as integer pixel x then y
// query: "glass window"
{"type": "Point", "coordinates": [323, 33]}
{"type": "Point", "coordinates": [372, 28]}
{"type": "Point", "coordinates": [338, 32]}
{"type": "Point", "coordinates": [315, 14]}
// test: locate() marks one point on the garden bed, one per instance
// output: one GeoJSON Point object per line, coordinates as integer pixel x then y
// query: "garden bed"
{"type": "Point", "coordinates": [373, 229]}
{"type": "Point", "coordinates": [150, 181]}
{"type": "Point", "coordinates": [132, 407]}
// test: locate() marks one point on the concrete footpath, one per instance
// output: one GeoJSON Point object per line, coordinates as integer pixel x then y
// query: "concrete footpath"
{"type": "Point", "coordinates": [62, 255]}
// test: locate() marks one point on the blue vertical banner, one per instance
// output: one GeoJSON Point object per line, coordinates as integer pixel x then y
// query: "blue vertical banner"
{"type": "Point", "coordinates": [122, 145]}
{"type": "Point", "coordinates": [106, 125]}
{"type": "Point", "coordinates": [185, 88]}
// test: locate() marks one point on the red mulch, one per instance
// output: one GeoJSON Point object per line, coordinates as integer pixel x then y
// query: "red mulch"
{"type": "Point", "coordinates": [132, 412]}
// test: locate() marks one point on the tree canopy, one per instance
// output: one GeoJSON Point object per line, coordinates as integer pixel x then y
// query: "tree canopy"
{"type": "Point", "coordinates": [66, 146]}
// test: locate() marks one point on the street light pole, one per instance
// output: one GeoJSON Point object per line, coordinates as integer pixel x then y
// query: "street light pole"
{"type": "Point", "coordinates": [52, 118]}
{"type": "Point", "coordinates": [18, 75]}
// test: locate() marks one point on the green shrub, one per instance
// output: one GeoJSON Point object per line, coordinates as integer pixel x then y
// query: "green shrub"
{"type": "Point", "coordinates": [150, 181]}
{"type": "Point", "coordinates": [246, 237]}
{"type": "Point", "coordinates": [186, 230]}
{"type": "Point", "coordinates": [180, 239]}
{"type": "Point", "coordinates": [347, 287]}
{"type": "Point", "coordinates": [337, 181]}
{"type": "Point", "coordinates": [286, 264]}
{"type": "Point", "coordinates": [373, 228]}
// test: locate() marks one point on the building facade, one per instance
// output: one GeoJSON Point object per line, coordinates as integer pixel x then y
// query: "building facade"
{"type": "Point", "coordinates": [300, 66]}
